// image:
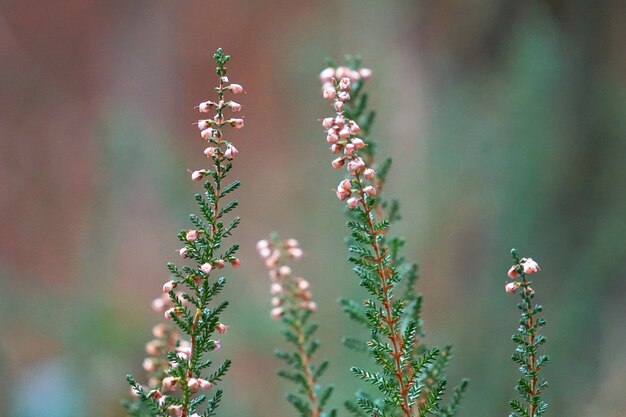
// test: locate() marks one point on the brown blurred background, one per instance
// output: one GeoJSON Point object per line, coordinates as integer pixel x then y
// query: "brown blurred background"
{"type": "Point", "coordinates": [506, 121]}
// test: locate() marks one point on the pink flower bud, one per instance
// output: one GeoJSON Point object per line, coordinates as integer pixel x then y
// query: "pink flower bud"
{"type": "Point", "coordinates": [291, 243]}
{"type": "Point", "coordinates": [193, 384]}
{"type": "Point", "coordinates": [327, 74]}
{"type": "Point", "coordinates": [204, 384]}
{"type": "Point", "coordinates": [358, 143]}
{"type": "Point", "coordinates": [354, 128]}
{"type": "Point", "coordinates": [236, 123]}
{"type": "Point", "coordinates": [203, 124]}
{"type": "Point", "coordinates": [343, 194]}
{"type": "Point", "coordinates": [206, 267]}
{"type": "Point", "coordinates": [169, 383]}
{"type": "Point", "coordinates": [221, 328]}
{"type": "Point", "coordinates": [530, 266]}
{"type": "Point", "coordinates": [265, 253]}
{"type": "Point", "coordinates": [170, 312]}
{"type": "Point", "coordinates": [176, 410]}
{"type": "Point", "coordinates": [234, 106]}
{"type": "Point", "coordinates": [349, 149]}
{"type": "Point", "coordinates": [198, 175]}
{"type": "Point", "coordinates": [210, 152]}
{"type": "Point", "coordinates": [344, 133]}
{"type": "Point", "coordinates": [342, 72]}
{"type": "Point", "coordinates": [338, 162]}
{"type": "Point", "coordinates": [276, 289]}
{"type": "Point", "coordinates": [311, 306]}
{"type": "Point", "coordinates": [328, 122]}
{"type": "Point", "coordinates": [295, 253]}
{"type": "Point", "coordinates": [217, 345]}
{"type": "Point", "coordinates": [220, 263]}
{"type": "Point", "coordinates": [207, 133]}
{"type": "Point", "coordinates": [231, 152]}
{"type": "Point", "coordinates": [353, 202]}
{"type": "Point", "coordinates": [205, 106]}
{"type": "Point", "coordinates": [159, 331]}
{"type": "Point", "coordinates": [275, 301]}
{"type": "Point", "coordinates": [338, 105]}
{"type": "Point", "coordinates": [343, 96]}
{"type": "Point", "coordinates": [332, 137]}
{"type": "Point", "coordinates": [262, 244]}
{"type": "Point", "coordinates": [302, 284]}
{"type": "Point", "coordinates": [328, 93]}
{"type": "Point", "coordinates": [369, 190]}
{"type": "Point", "coordinates": [511, 287]}
{"type": "Point", "coordinates": [235, 88]}
{"type": "Point", "coordinates": [513, 272]}
{"type": "Point", "coordinates": [235, 263]}
{"type": "Point", "coordinates": [158, 305]}
{"type": "Point", "coordinates": [284, 271]}
{"type": "Point", "coordinates": [336, 148]}
{"type": "Point", "coordinates": [355, 165]}
{"type": "Point", "coordinates": [369, 173]}
{"type": "Point", "coordinates": [182, 252]}
{"type": "Point", "coordinates": [152, 347]}
{"type": "Point", "coordinates": [276, 312]}
{"type": "Point", "coordinates": [340, 120]}
{"type": "Point", "coordinates": [149, 365]}
{"type": "Point", "coordinates": [346, 184]}
{"type": "Point", "coordinates": [191, 235]}
{"type": "Point", "coordinates": [344, 84]}
{"type": "Point", "coordinates": [366, 73]}
{"type": "Point", "coordinates": [169, 286]}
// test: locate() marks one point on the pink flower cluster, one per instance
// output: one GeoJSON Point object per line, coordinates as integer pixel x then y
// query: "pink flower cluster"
{"type": "Point", "coordinates": [288, 292]}
{"type": "Point", "coordinates": [211, 129]}
{"type": "Point", "coordinates": [525, 267]}
{"type": "Point", "coordinates": [342, 135]}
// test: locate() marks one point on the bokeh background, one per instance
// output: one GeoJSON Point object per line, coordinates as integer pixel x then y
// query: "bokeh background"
{"type": "Point", "coordinates": [506, 121]}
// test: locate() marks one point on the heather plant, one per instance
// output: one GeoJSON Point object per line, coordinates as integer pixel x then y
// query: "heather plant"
{"type": "Point", "coordinates": [410, 376]}
{"type": "Point", "coordinates": [529, 342]}
{"type": "Point", "coordinates": [293, 305]}
{"type": "Point", "coordinates": [178, 365]}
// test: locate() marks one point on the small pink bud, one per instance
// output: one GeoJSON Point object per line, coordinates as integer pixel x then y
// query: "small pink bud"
{"type": "Point", "coordinates": [353, 202]}
{"type": "Point", "coordinates": [276, 312]}
{"type": "Point", "coordinates": [210, 152]}
{"type": "Point", "coordinates": [344, 133]}
{"type": "Point", "coordinates": [354, 128]}
{"type": "Point", "coordinates": [344, 84]}
{"type": "Point", "coordinates": [284, 271]}
{"type": "Point", "coordinates": [159, 331]}
{"type": "Point", "coordinates": [342, 72]}
{"type": "Point", "coordinates": [170, 312]}
{"type": "Point", "coordinates": [231, 152]}
{"type": "Point", "coordinates": [262, 244]}
{"type": "Point", "coordinates": [303, 284]}
{"type": "Point", "coordinates": [355, 165]}
{"type": "Point", "coordinates": [204, 384]}
{"type": "Point", "coordinates": [343, 96]}
{"type": "Point", "coordinates": [358, 143]}
{"type": "Point", "coordinates": [207, 133]}
{"type": "Point", "coordinates": [295, 253]}
{"type": "Point", "coordinates": [191, 235]}
{"type": "Point", "coordinates": [276, 289]}
{"type": "Point", "coordinates": [235, 263]}
{"type": "Point", "coordinates": [346, 184]}
{"type": "Point", "coordinates": [234, 106]}
{"type": "Point", "coordinates": [369, 190]}
{"type": "Point", "coordinates": [236, 123]}
{"type": "Point", "coordinates": [220, 263]}
{"type": "Point", "coordinates": [152, 347]}
{"type": "Point", "coordinates": [206, 267]}
{"type": "Point", "coordinates": [158, 305]}
{"type": "Point", "coordinates": [338, 105]}
{"type": "Point", "coordinates": [328, 122]}
{"type": "Point", "coordinates": [235, 88]}
{"type": "Point", "coordinates": [327, 74]}
{"type": "Point", "coordinates": [217, 345]}
{"type": "Point", "coordinates": [329, 93]}
{"type": "Point", "coordinates": [221, 328]}
{"type": "Point", "coordinates": [343, 194]}
{"type": "Point", "coordinates": [332, 136]}
{"type": "Point", "coordinates": [369, 173]}
{"type": "Point", "coordinates": [203, 124]}
{"type": "Point", "coordinates": [176, 410]}
{"type": "Point", "coordinates": [276, 301]}
{"type": "Point", "coordinates": [340, 120]}
{"type": "Point", "coordinates": [513, 272]}
{"type": "Point", "coordinates": [366, 73]}
{"type": "Point", "coordinates": [193, 384]}
{"type": "Point", "coordinates": [265, 253]}
{"type": "Point", "coordinates": [198, 175]}
{"type": "Point", "coordinates": [169, 383]}
{"type": "Point", "coordinates": [291, 243]}
{"type": "Point", "coordinates": [530, 266]}
{"type": "Point", "coordinates": [205, 106]}
{"type": "Point", "coordinates": [338, 162]}
{"type": "Point", "coordinates": [169, 286]}
{"type": "Point", "coordinates": [312, 306]}
{"type": "Point", "coordinates": [182, 252]}
{"type": "Point", "coordinates": [336, 148]}
{"type": "Point", "coordinates": [349, 149]}
{"type": "Point", "coordinates": [511, 287]}
{"type": "Point", "coordinates": [149, 365]}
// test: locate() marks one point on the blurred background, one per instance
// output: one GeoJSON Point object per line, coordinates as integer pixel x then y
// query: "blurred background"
{"type": "Point", "coordinates": [506, 121]}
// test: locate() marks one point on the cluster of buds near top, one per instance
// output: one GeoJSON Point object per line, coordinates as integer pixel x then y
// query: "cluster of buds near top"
{"type": "Point", "coordinates": [210, 129]}
{"type": "Point", "coordinates": [289, 293]}
{"type": "Point", "coordinates": [524, 267]}
{"type": "Point", "coordinates": [342, 135]}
